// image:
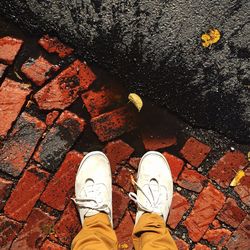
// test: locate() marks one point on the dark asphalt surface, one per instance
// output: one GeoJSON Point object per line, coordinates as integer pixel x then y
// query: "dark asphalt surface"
{"type": "Point", "coordinates": [155, 45]}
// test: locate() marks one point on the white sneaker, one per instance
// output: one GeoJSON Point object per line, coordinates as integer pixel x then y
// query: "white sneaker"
{"type": "Point", "coordinates": [93, 186]}
{"type": "Point", "coordinates": [154, 186]}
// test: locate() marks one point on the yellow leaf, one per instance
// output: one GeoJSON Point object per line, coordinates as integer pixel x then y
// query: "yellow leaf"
{"type": "Point", "coordinates": [213, 36]}
{"type": "Point", "coordinates": [248, 156]}
{"type": "Point", "coordinates": [136, 100]}
{"type": "Point", "coordinates": [124, 246]}
{"type": "Point", "coordinates": [237, 178]}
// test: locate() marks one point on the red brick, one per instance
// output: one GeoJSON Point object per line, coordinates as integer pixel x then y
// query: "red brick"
{"type": "Point", "coordinates": [181, 244]}
{"type": "Point", "coordinates": [53, 45]}
{"type": "Point", "coordinates": [201, 247]}
{"type": "Point", "coordinates": [217, 237]}
{"type": "Point", "coordinates": [2, 69]}
{"type": "Point", "coordinates": [117, 151]}
{"type": "Point", "coordinates": [59, 140]}
{"type": "Point", "coordinates": [9, 47]}
{"type": "Point", "coordinates": [99, 102]}
{"type": "Point", "coordinates": [195, 151]}
{"type": "Point", "coordinates": [241, 237]}
{"type": "Point", "coordinates": [134, 162]}
{"type": "Point", "coordinates": [123, 179]}
{"type": "Point", "coordinates": [13, 96]}
{"type": "Point", "coordinates": [179, 206]}
{"type": "Point", "coordinates": [224, 170]}
{"type": "Point", "coordinates": [113, 124]}
{"type": "Point", "coordinates": [51, 117]}
{"type": "Point", "coordinates": [5, 188]}
{"type": "Point", "coordinates": [49, 245]}
{"type": "Point", "coordinates": [231, 214]}
{"type": "Point", "coordinates": [9, 229]}
{"type": "Point", "coordinates": [38, 226]}
{"type": "Point", "coordinates": [38, 70]}
{"type": "Point", "coordinates": [124, 232]}
{"type": "Point", "coordinates": [18, 148]}
{"type": "Point", "coordinates": [63, 90]}
{"type": "Point", "coordinates": [206, 207]}
{"type": "Point", "coordinates": [68, 226]}
{"type": "Point", "coordinates": [243, 189]}
{"type": "Point", "coordinates": [63, 181]}
{"type": "Point", "coordinates": [26, 193]}
{"type": "Point", "coordinates": [191, 180]}
{"type": "Point", "coordinates": [216, 224]}
{"type": "Point", "coordinates": [152, 141]}
{"type": "Point", "coordinates": [120, 204]}
{"type": "Point", "coordinates": [175, 164]}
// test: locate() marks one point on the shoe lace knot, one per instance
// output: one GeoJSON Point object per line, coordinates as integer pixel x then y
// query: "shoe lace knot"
{"type": "Point", "coordinates": [154, 194]}
{"type": "Point", "coordinates": [92, 198]}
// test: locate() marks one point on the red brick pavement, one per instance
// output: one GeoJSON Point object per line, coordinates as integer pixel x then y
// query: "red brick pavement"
{"type": "Point", "coordinates": [38, 160]}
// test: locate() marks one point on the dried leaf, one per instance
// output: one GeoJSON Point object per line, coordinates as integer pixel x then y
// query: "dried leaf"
{"type": "Point", "coordinates": [248, 156]}
{"type": "Point", "coordinates": [136, 100]}
{"type": "Point", "coordinates": [237, 178]}
{"type": "Point", "coordinates": [123, 246]}
{"type": "Point", "coordinates": [212, 37]}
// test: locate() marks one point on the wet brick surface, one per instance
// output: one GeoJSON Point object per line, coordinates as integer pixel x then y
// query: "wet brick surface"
{"type": "Point", "coordinates": [49, 124]}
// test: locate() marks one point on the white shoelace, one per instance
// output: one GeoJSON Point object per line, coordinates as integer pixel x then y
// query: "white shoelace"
{"type": "Point", "coordinates": [92, 199]}
{"type": "Point", "coordinates": [153, 193]}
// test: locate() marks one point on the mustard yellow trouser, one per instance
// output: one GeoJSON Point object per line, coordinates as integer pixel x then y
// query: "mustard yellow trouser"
{"type": "Point", "coordinates": [149, 233]}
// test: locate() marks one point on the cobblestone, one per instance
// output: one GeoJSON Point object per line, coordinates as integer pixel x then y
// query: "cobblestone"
{"type": "Point", "coordinates": [9, 47]}
{"type": "Point", "coordinates": [63, 90]}
{"type": "Point", "coordinates": [3, 67]}
{"type": "Point", "coordinates": [5, 188]}
{"type": "Point", "coordinates": [243, 189]}
{"type": "Point", "coordinates": [59, 140]}
{"type": "Point", "coordinates": [225, 169]}
{"type": "Point", "coordinates": [195, 151]}
{"type": "Point", "coordinates": [241, 237]}
{"type": "Point", "coordinates": [35, 231]}
{"type": "Point", "coordinates": [9, 231]}
{"type": "Point", "coordinates": [68, 226]}
{"type": "Point", "coordinates": [206, 207]}
{"type": "Point", "coordinates": [124, 232]}
{"type": "Point", "coordinates": [38, 70]}
{"type": "Point", "coordinates": [19, 147]}
{"type": "Point", "coordinates": [231, 214]}
{"type": "Point", "coordinates": [112, 124]}
{"type": "Point", "coordinates": [179, 206]}
{"type": "Point", "coordinates": [175, 164]}
{"type": "Point", "coordinates": [49, 245]}
{"type": "Point", "coordinates": [117, 151]}
{"type": "Point", "coordinates": [191, 180]}
{"type": "Point", "coordinates": [13, 96]}
{"type": "Point", "coordinates": [217, 237]}
{"type": "Point", "coordinates": [120, 204]}
{"type": "Point", "coordinates": [56, 192]}
{"type": "Point", "coordinates": [99, 102]}
{"type": "Point", "coordinates": [53, 45]}
{"type": "Point", "coordinates": [26, 193]}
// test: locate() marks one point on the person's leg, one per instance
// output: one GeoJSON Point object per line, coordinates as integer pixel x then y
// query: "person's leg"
{"type": "Point", "coordinates": [154, 197]}
{"type": "Point", "coordinates": [93, 191]}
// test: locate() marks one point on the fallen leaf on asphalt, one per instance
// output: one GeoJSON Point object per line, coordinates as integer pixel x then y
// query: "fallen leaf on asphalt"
{"type": "Point", "coordinates": [237, 178]}
{"type": "Point", "coordinates": [213, 36]}
{"type": "Point", "coordinates": [136, 100]}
